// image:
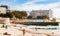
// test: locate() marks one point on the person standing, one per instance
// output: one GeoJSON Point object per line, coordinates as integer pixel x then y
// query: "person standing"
{"type": "Point", "coordinates": [6, 27]}
{"type": "Point", "coordinates": [3, 26]}
{"type": "Point", "coordinates": [24, 32]}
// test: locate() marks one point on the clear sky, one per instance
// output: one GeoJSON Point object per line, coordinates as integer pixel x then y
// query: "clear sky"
{"type": "Point", "coordinates": [29, 5]}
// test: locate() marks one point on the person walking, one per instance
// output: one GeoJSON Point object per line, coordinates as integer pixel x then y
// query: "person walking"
{"type": "Point", "coordinates": [24, 32]}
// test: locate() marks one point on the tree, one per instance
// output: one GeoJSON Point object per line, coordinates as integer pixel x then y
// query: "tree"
{"type": "Point", "coordinates": [20, 17]}
{"type": "Point", "coordinates": [42, 17]}
{"type": "Point", "coordinates": [8, 14]}
{"type": "Point", "coordinates": [1, 15]}
{"type": "Point", "coordinates": [39, 17]}
{"type": "Point", "coordinates": [19, 14]}
{"type": "Point", "coordinates": [54, 19]}
{"type": "Point", "coordinates": [29, 17]}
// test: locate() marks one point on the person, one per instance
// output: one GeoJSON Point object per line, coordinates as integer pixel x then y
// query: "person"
{"type": "Point", "coordinates": [36, 28]}
{"type": "Point", "coordinates": [6, 26]}
{"type": "Point", "coordinates": [5, 33]}
{"type": "Point", "coordinates": [3, 26]}
{"type": "Point", "coordinates": [52, 32]}
{"type": "Point", "coordinates": [23, 31]}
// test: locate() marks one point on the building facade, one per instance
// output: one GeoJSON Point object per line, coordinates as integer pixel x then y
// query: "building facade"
{"type": "Point", "coordinates": [36, 13]}
{"type": "Point", "coordinates": [3, 9]}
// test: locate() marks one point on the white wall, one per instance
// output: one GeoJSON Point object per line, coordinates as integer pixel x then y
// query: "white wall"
{"type": "Point", "coordinates": [2, 10]}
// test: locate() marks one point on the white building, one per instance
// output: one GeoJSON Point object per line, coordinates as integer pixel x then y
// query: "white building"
{"type": "Point", "coordinates": [36, 13]}
{"type": "Point", "coordinates": [3, 9]}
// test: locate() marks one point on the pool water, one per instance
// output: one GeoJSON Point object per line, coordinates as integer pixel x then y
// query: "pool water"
{"type": "Point", "coordinates": [43, 26]}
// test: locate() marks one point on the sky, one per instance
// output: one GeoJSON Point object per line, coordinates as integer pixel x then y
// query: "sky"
{"type": "Point", "coordinates": [29, 5]}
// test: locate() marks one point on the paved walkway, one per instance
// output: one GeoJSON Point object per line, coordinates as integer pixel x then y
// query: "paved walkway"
{"type": "Point", "coordinates": [12, 31]}
{"type": "Point", "coordinates": [18, 31]}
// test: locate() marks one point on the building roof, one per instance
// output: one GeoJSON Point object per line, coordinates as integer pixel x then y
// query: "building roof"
{"type": "Point", "coordinates": [4, 6]}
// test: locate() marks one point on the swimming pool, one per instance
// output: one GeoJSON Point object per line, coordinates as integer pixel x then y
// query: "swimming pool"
{"type": "Point", "coordinates": [43, 27]}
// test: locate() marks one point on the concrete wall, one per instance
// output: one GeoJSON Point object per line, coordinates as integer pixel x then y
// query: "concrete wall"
{"type": "Point", "coordinates": [5, 20]}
